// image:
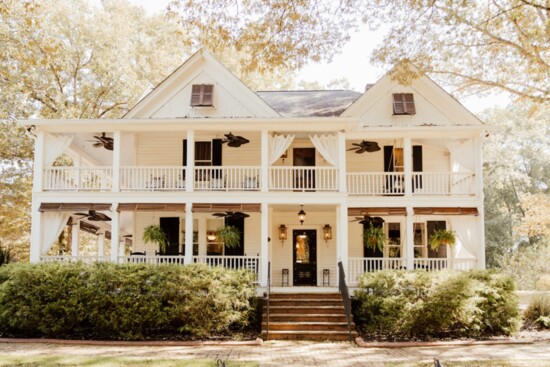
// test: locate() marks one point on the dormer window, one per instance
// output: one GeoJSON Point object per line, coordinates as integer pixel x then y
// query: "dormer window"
{"type": "Point", "coordinates": [202, 95]}
{"type": "Point", "coordinates": [403, 104]}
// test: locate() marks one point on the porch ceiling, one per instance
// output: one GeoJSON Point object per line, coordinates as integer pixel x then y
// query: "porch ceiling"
{"type": "Point", "coordinates": [73, 207]}
{"type": "Point", "coordinates": [445, 211]}
{"type": "Point", "coordinates": [354, 212]}
{"type": "Point", "coordinates": [150, 207]}
{"type": "Point", "coordinates": [212, 208]}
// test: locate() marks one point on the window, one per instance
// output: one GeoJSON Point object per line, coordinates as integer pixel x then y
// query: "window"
{"type": "Point", "coordinates": [420, 243]}
{"type": "Point", "coordinates": [394, 240]}
{"type": "Point", "coordinates": [203, 153]}
{"type": "Point", "coordinates": [202, 95]}
{"type": "Point", "coordinates": [403, 104]}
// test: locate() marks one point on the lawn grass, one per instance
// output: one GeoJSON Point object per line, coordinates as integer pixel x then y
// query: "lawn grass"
{"type": "Point", "coordinates": [65, 361]}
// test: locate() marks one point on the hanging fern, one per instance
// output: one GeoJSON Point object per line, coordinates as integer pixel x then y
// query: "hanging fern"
{"type": "Point", "coordinates": [374, 237]}
{"type": "Point", "coordinates": [155, 234]}
{"type": "Point", "coordinates": [442, 237]}
{"type": "Point", "coordinates": [230, 236]}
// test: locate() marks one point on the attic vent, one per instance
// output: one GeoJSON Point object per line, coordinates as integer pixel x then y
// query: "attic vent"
{"type": "Point", "coordinates": [403, 104]}
{"type": "Point", "coordinates": [201, 95]}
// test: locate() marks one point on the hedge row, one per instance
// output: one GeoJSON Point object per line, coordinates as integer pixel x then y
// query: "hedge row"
{"type": "Point", "coordinates": [420, 304]}
{"type": "Point", "coordinates": [131, 302]}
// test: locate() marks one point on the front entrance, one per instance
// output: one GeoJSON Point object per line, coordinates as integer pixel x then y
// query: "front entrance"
{"type": "Point", "coordinates": [305, 257]}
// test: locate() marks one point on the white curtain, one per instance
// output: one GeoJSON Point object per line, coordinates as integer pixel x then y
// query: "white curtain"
{"type": "Point", "coordinates": [462, 155]}
{"type": "Point", "coordinates": [327, 145]}
{"type": "Point", "coordinates": [52, 225]}
{"type": "Point", "coordinates": [278, 144]}
{"type": "Point", "coordinates": [467, 242]}
{"type": "Point", "coordinates": [54, 146]}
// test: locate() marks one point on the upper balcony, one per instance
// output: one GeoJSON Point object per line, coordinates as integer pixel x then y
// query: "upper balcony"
{"type": "Point", "coordinates": [148, 163]}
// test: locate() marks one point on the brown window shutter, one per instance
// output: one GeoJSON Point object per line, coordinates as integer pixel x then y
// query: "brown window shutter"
{"type": "Point", "coordinates": [207, 94]}
{"type": "Point", "coordinates": [398, 105]}
{"type": "Point", "coordinates": [409, 104]}
{"type": "Point", "coordinates": [196, 95]}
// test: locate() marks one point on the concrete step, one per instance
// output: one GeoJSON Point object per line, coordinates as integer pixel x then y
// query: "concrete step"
{"type": "Point", "coordinates": [309, 335]}
{"type": "Point", "coordinates": [306, 310]}
{"type": "Point", "coordinates": [277, 317]}
{"type": "Point", "coordinates": [305, 295]}
{"type": "Point", "coordinates": [307, 326]}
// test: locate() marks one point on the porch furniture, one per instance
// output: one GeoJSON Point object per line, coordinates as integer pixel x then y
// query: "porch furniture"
{"type": "Point", "coordinates": [155, 183]}
{"type": "Point", "coordinates": [284, 278]}
{"type": "Point", "coordinates": [326, 277]}
{"type": "Point", "coordinates": [137, 253]}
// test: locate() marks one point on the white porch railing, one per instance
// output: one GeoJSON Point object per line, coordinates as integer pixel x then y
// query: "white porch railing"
{"type": "Point", "coordinates": [251, 263]}
{"type": "Point", "coordinates": [376, 183]}
{"type": "Point", "coordinates": [444, 263]}
{"type": "Point", "coordinates": [303, 178]}
{"type": "Point", "coordinates": [157, 260]}
{"type": "Point", "coordinates": [87, 259]}
{"type": "Point", "coordinates": [242, 178]}
{"type": "Point", "coordinates": [152, 178]}
{"type": "Point", "coordinates": [77, 178]}
{"type": "Point", "coordinates": [360, 265]}
{"type": "Point", "coordinates": [448, 183]}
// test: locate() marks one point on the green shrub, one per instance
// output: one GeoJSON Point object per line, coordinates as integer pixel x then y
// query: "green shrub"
{"type": "Point", "coordinates": [130, 302]}
{"type": "Point", "coordinates": [538, 311]}
{"type": "Point", "coordinates": [419, 304]}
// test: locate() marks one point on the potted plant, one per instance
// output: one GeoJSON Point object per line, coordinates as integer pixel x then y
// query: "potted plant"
{"type": "Point", "coordinates": [230, 236]}
{"type": "Point", "coordinates": [155, 234]}
{"type": "Point", "coordinates": [374, 237]}
{"type": "Point", "coordinates": [442, 237]}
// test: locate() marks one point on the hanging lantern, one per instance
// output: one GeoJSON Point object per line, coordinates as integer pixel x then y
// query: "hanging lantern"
{"type": "Point", "coordinates": [282, 233]}
{"type": "Point", "coordinates": [327, 232]}
{"type": "Point", "coordinates": [302, 215]}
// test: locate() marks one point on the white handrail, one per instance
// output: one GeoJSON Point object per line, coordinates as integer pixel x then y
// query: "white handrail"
{"type": "Point", "coordinates": [303, 178]}
{"type": "Point", "coordinates": [152, 178]}
{"type": "Point", "coordinates": [359, 265]}
{"type": "Point", "coordinates": [376, 183]}
{"type": "Point", "coordinates": [444, 183]}
{"type": "Point", "coordinates": [241, 178]}
{"type": "Point", "coordinates": [251, 263]}
{"type": "Point", "coordinates": [77, 178]}
{"type": "Point", "coordinates": [87, 259]}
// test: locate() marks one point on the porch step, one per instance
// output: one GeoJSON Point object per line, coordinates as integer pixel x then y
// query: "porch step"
{"type": "Point", "coordinates": [306, 316]}
{"type": "Point", "coordinates": [310, 335]}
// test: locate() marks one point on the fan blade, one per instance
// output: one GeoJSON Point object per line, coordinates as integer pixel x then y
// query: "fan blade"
{"type": "Point", "coordinates": [242, 140]}
{"type": "Point", "coordinates": [97, 145]}
{"type": "Point", "coordinates": [360, 151]}
{"type": "Point", "coordinates": [360, 145]}
{"type": "Point", "coordinates": [234, 144]}
{"type": "Point", "coordinates": [102, 217]}
{"type": "Point", "coordinates": [221, 215]}
{"type": "Point", "coordinates": [354, 148]}
{"type": "Point", "coordinates": [240, 215]}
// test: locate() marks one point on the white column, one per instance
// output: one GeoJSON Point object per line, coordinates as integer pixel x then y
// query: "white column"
{"type": "Point", "coordinates": [190, 165]}
{"type": "Point", "coordinates": [75, 237]}
{"type": "Point", "coordinates": [36, 232]}
{"type": "Point", "coordinates": [115, 232]}
{"type": "Point", "coordinates": [122, 247]}
{"type": "Point", "coordinates": [188, 229]}
{"type": "Point", "coordinates": [264, 179]}
{"type": "Point", "coordinates": [77, 162]}
{"type": "Point", "coordinates": [38, 179]}
{"type": "Point", "coordinates": [342, 161]}
{"type": "Point", "coordinates": [342, 236]}
{"type": "Point", "coordinates": [202, 228]}
{"type": "Point", "coordinates": [116, 161]}
{"type": "Point", "coordinates": [478, 154]}
{"type": "Point", "coordinates": [407, 160]}
{"type": "Point", "coordinates": [264, 254]}
{"type": "Point", "coordinates": [409, 238]}
{"type": "Point", "coordinates": [101, 244]}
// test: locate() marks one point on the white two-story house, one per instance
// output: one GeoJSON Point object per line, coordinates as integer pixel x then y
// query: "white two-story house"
{"type": "Point", "coordinates": [299, 173]}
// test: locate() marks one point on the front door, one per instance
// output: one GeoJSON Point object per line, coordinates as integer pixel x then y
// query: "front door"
{"type": "Point", "coordinates": [305, 257]}
{"type": "Point", "coordinates": [171, 226]}
{"type": "Point", "coordinates": [304, 157]}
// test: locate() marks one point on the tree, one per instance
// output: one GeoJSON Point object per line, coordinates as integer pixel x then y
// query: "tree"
{"type": "Point", "coordinates": [517, 180]}
{"type": "Point", "coordinates": [269, 38]}
{"type": "Point", "coordinates": [64, 59]}
{"type": "Point", "coordinates": [473, 46]}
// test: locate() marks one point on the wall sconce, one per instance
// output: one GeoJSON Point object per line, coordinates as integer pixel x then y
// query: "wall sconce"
{"type": "Point", "coordinates": [211, 236]}
{"type": "Point", "coordinates": [327, 232]}
{"type": "Point", "coordinates": [284, 155]}
{"type": "Point", "coordinates": [301, 215]}
{"type": "Point", "coordinates": [282, 233]}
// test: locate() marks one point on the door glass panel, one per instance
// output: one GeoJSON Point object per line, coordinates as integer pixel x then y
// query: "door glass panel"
{"type": "Point", "coordinates": [420, 249]}
{"type": "Point", "coordinates": [394, 239]}
{"type": "Point", "coordinates": [302, 249]}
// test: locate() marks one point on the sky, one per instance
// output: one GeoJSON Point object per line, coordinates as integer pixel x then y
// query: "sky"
{"type": "Point", "coordinates": [352, 63]}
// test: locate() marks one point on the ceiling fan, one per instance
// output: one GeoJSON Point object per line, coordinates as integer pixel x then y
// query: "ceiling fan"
{"type": "Point", "coordinates": [376, 221]}
{"type": "Point", "coordinates": [94, 216]}
{"type": "Point", "coordinates": [234, 140]}
{"type": "Point", "coordinates": [231, 215]}
{"type": "Point", "coordinates": [365, 146]}
{"type": "Point", "coordinates": [103, 141]}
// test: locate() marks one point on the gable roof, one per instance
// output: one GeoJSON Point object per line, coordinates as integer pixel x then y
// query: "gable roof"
{"type": "Point", "coordinates": [309, 103]}
{"type": "Point", "coordinates": [434, 106]}
{"type": "Point", "coordinates": [170, 99]}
